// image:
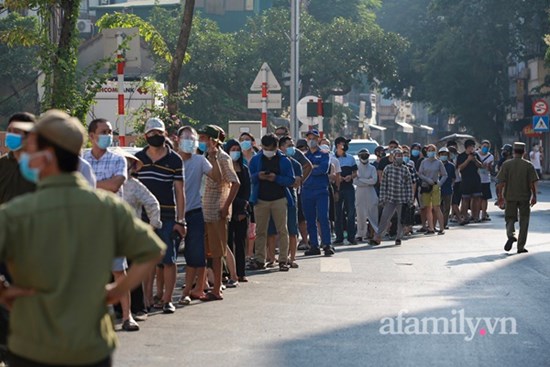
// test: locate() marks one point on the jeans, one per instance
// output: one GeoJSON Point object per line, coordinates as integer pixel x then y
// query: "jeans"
{"type": "Point", "coordinates": [345, 204]}
{"type": "Point", "coordinates": [315, 205]}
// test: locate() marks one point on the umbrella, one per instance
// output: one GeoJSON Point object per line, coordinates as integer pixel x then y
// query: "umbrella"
{"type": "Point", "coordinates": [458, 138]}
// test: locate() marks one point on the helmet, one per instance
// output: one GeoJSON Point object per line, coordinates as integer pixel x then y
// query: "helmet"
{"type": "Point", "coordinates": [507, 148]}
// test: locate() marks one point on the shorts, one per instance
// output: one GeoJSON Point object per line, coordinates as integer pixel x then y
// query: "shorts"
{"type": "Point", "coordinates": [291, 222]}
{"type": "Point", "coordinates": [486, 191]}
{"type": "Point", "coordinates": [215, 238]}
{"type": "Point", "coordinates": [165, 234]}
{"type": "Point", "coordinates": [119, 264]}
{"type": "Point", "coordinates": [457, 194]}
{"type": "Point", "coordinates": [470, 189]}
{"type": "Point", "coordinates": [195, 256]}
{"type": "Point", "coordinates": [301, 216]}
{"type": "Point", "coordinates": [432, 198]}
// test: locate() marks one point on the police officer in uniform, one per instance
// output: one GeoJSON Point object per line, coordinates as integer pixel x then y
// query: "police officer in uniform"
{"type": "Point", "coordinates": [517, 186]}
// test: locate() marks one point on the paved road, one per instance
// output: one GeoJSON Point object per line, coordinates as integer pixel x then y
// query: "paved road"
{"type": "Point", "coordinates": [492, 308]}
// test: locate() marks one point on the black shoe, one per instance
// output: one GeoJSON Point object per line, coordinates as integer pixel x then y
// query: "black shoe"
{"type": "Point", "coordinates": [255, 265]}
{"type": "Point", "coordinates": [523, 251]}
{"type": "Point", "coordinates": [329, 250]}
{"type": "Point", "coordinates": [168, 308]}
{"type": "Point", "coordinates": [338, 242]}
{"type": "Point", "coordinates": [313, 251]}
{"type": "Point", "coordinates": [359, 239]}
{"type": "Point", "coordinates": [352, 242]}
{"type": "Point", "coordinates": [397, 242]}
{"type": "Point", "coordinates": [509, 243]}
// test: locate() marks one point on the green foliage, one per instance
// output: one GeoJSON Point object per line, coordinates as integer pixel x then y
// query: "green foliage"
{"type": "Point", "coordinates": [148, 32]}
{"type": "Point", "coordinates": [326, 11]}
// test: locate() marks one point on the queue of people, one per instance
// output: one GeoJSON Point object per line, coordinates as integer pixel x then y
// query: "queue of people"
{"type": "Point", "coordinates": [227, 206]}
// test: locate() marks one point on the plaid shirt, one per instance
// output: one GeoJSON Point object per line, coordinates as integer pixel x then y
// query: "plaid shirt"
{"type": "Point", "coordinates": [215, 194]}
{"type": "Point", "coordinates": [414, 175]}
{"type": "Point", "coordinates": [107, 166]}
{"type": "Point", "coordinates": [396, 185]}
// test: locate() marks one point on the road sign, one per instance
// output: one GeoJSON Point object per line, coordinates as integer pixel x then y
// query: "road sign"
{"type": "Point", "coordinates": [540, 107]}
{"type": "Point", "coordinates": [540, 124]}
{"type": "Point", "coordinates": [274, 100]}
{"type": "Point", "coordinates": [530, 133]}
{"type": "Point", "coordinates": [265, 75]}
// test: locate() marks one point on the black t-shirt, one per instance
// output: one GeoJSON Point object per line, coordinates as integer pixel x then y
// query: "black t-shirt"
{"type": "Point", "coordinates": [385, 161]}
{"type": "Point", "coordinates": [270, 191]}
{"type": "Point", "coordinates": [469, 173]}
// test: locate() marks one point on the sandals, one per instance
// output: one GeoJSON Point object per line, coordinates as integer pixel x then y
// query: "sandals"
{"type": "Point", "coordinates": [440, 232]}
{"type": "Point", "coordinates": [243, 280]}
{"type": "Point", "coordinates": [209, 297]}
{"type": "Point", "coordinates": [130, 325]}
{"type": "Point", "coordinates": [284, 267]}
{"type": "Point", "coordinates": [294, 265]}
{"type": "Point", "coordinates": [184, 301]}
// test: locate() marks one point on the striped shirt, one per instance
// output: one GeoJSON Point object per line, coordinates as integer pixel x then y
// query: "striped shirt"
{"type": "Point", "coordinates": [159, 178]}
{"type": "Point", "coordinates": [215, 194]}
{"type": "Point", "coordinates": [109, 165]}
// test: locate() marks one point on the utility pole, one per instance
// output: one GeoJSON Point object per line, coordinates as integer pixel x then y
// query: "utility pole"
{"type": "Point", "coordinates": [294, 65]}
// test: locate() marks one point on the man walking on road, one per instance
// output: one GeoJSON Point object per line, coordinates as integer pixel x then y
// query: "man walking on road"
{"type": "Point", "coordinates": [50, 240]}
{"type": "Point", "coordinates": [517, 186]}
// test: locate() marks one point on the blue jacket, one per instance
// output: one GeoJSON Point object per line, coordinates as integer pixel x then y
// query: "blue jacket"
{"type": "Point", "coordinates": [318, 179]}
{"type": "Point", "coordinates": [285, 178]}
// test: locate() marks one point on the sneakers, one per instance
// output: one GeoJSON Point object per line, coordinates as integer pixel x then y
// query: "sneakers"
{"type": "Point", "coordinates": [255, 265]}
{"type": "Point", "coordinates": [313, 251]}
{"type": "Point", "coordinates": [168, 308]}
{"type": "Point", "coordinates": [329, 250]}
{"type": "Point", "coordinates": [303, 246]}
{"type": "Point", "coordinates": [130, 325]}
{"type": "Point", "coordinates": [232, 283]}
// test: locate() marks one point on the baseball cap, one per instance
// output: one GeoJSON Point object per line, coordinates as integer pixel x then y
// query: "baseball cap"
{"type": "Point", "coordinates": [341, 139]}
{"type": "Point", "coordinates": [313, 132]}
{"type": "Point", "coordinates": [379, 148]}
{"type": "Point", "coordinates": [59, 128]}
{"type": "Point", "coordinates": [154, 123]}
{"type": "Point", "coordinates": [443, 150]}
{"type": "Point", "coordinates": [212, 131]}
{"type": "Point", "coordinates": [301, 143]}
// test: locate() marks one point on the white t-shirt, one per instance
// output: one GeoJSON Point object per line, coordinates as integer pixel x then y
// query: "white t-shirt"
{"type": "Point", "coordinates": [535, 159]}
{"type": "Point", "coordinates": [487, 160]}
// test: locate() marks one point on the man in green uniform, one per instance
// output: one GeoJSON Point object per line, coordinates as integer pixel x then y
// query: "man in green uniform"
{"type": "Point", "coordinates": [59, 243]}
{"type": "Point", "coordinates": [517, 186]}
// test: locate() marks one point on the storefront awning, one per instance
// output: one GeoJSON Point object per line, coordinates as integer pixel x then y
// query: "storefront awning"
{"type": "Point", "coordinates": [407, 128]}
{"type": "Point", "coordinates": [429, 129]}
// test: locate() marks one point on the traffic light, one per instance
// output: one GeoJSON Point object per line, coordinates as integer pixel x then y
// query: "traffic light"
{"type": "Point", "coordinates": [312, 108]}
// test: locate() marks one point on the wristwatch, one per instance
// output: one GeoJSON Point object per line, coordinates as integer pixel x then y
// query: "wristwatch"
{"type": "Point", "coordinates": [182, 223]}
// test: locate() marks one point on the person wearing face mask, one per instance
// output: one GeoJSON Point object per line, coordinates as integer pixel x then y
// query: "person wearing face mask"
{"type": "Point", "coordinates": [315, 197]}
{"type": "Point", "coordinates": [196, 166]}
{"type": "Point", "coordinates": [345, 205]}
{"type": "Point", "coordinates": [468, 165]}
{"type": "Point", "coordinates": [61, 272]}
{"type": "Point", "coordinates": [272, 177]}
{"type": "Point", "coordinates": [457, 193]}
{"type": "Point", "coordinates": [386, 160]}
{"type": "Point", "coordinates": [416, 157]}
{"type": "Point", "coordinates": [163, 175]}
{"type": "Point", "coordinates": [138, 197]}
{"type": "Point", "coordinates": [395, 191]}
{"type": "Point", "coordinates": [110, 170]}
{"type": "Point", "coordinates": [433, 175]}
{"type": "Point", "coordinates": [216, 203]}
{"type": "Point", "coordinates": [536, 157]}
{"type": "Point", "coordinates": [447, 187]}
{"type": "Point", "coordinates": [380, 153]}
{"type": "Point", "coordinates": [238, 225]}
{"type": "Point", "coordinates": [487, 160]}
{"type": "Point", "coordinates": [366, 199]}
{"type": "Point", "coordinates": [248, 146]}
{"type": "Point", "coordinates": [12, 183]}
{"type": "Point", "coordinates": [408, 212]}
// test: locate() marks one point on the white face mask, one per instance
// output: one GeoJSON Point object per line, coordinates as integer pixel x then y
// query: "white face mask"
{"type": "Point", "coordinates": [269, 153]}
{"type": "Point", "coordinates": [536, 148]}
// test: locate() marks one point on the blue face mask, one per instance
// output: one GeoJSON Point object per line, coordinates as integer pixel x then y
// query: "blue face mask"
{"type": "Point", "coordinates": [30, 174]}
{"type": "Point", "coordinates": [443, 158]}
{"type": "Point", "coordinates": [485, 150]}
{"type": "Point", "coordinates": [188, 146]}
{"type": "Point", "coordinates": [406, 160]}
{"type": "Point", "coordinates": [13, 141]}
{"type": "Point", "coordinates": [235, 155]}
{"type": "Point", "coordinates": [430, 154]}
{"type": "Point", "coordinates": [202, 146]}
{"type": "Point", "coordinates": [104, 141]}
{"type": "Point", "coordinates": [290, 151]}
{"type": "Point", "coordinates": [246, 144]}
{"type": "Point", "coordinates": [415, 153]}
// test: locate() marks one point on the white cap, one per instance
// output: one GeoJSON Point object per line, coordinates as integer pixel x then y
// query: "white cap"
{"type": "Point", "coordinates": [154, 124]}
{"type": "Point", "coordinates": [443, 150]}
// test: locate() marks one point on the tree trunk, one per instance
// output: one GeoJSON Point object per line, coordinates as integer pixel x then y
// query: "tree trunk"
{"type": "Point", "coordinates": [179, 56]}
{"type": "Point", "coordinates": [65, 59]}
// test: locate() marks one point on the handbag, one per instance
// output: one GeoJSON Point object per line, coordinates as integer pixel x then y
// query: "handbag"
{"type": "Point", "coordinates": [426, 188]}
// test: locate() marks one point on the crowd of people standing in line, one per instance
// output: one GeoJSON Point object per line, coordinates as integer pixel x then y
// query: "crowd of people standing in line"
{"type": "Point", "coordinates": [234, 204]}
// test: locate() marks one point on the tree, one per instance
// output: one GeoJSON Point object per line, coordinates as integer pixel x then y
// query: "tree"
{"type": "Point", "coordinates": [326, 11]}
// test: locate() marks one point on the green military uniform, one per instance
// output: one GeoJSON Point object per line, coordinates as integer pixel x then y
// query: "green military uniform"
{"type": "Point", "coordinates": [12, 184]}
{"type": "Point", "coordinates": [518, 174]}
{"type": "Point", "coordinates": [60, 241]}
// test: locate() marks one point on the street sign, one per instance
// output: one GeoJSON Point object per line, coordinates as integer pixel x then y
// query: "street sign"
{"type": "Point", "coordinates": [274, 100]}
{"type": "Point", "coordinates": [265, 74]}
{"type": "Point", "coordinates": [540, 124]}
{"type": "Point", "coordinates": [530, 133]}
{"type": "Point", "coordinates": [540, 107]}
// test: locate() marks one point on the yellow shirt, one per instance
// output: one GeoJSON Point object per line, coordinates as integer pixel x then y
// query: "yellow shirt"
{"type": "Point", "coordinates": [60, 241]}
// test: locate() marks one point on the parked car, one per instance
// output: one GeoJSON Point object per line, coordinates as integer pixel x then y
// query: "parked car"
{"type": "Point", "coordinates": [355, 145]}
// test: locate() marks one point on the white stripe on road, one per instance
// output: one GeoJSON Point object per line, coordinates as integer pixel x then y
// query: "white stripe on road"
{"type": "Point", "coordinates": [333, 265]}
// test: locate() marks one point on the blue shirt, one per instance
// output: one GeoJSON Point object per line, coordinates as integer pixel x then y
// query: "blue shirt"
{"type": "Point", "coordinates": [318, 179]}
{"type": "Point", "coordinates": [447, 187]}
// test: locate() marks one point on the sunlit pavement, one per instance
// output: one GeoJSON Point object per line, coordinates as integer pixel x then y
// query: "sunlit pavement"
{"type": "Point", "coordinates": [452, 300]}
